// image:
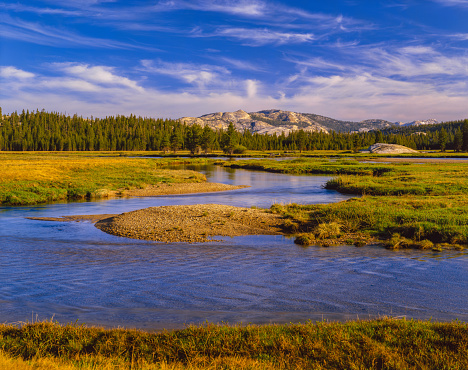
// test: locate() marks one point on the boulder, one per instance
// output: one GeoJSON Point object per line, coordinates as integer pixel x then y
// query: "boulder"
{"type": "Point", "coordinates": [380, 148]}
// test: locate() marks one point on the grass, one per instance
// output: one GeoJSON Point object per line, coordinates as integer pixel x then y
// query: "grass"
{"type": "Point", "coordinates": [381, 344]}
{"type": "Point", "coordinates": [31, 178]}
{"type": "Point", "coordinates": [403, 205]}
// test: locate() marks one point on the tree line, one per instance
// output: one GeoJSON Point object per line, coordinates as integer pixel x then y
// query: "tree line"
{"type": "Point", "coordinates": [52, 131]}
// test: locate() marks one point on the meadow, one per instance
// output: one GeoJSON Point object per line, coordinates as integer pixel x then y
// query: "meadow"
{"type": "Point", "coordinates": [402, 205]}
{"type": "Point", "coordinates": [31, 178]}
{"type": "Point", "coordinates": [375, 344]}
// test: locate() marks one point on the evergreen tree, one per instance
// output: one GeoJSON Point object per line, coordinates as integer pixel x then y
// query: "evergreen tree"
{"type": "Point", "coordinates": [176, 140]}
{"type": "Point", "coordinates": [356, 143]}
{"type": "Point", "coordinates": [465, 136]}
{"type": "Point", "coordinates": [229, 139]}
{"type": "Point", "coordinates": [458, 140]}
{"type": "Point", "coordinates": [207, 139]}
{"type": "Point", "coordinates": [301, 140]}
{"type": "Point", "coordinates": [165, 142]}
{"type": "Point", "coordinates": [443, 138]}
{"type": "Point", "coordinates": [193, 138]}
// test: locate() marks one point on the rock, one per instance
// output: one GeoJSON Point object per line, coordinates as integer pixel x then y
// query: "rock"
{"type": "Point", "coordinates": [263, 122]}
{"type": "Point", "coordinates": [380, 148]}
{"type": "Point", "coordinates": [197, 223]}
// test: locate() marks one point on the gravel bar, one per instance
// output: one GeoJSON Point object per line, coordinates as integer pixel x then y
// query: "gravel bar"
{"type": "Point", "coordinates": [191, 223]}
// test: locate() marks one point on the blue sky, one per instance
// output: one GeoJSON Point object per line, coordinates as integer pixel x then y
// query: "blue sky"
{"type": "Point", "coordinates": [398, 60]}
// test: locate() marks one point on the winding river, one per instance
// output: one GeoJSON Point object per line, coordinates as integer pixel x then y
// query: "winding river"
{"type": "Point", "coordinates": [72, 271]}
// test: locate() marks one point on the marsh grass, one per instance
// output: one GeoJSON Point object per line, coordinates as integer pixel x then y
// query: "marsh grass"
{"type": "Point", "coordinates": [31, 179]}
{"type": "Point", "coordinates": [383, 344]}
{"type": "Point", "coordinates": [415, 221]}
{"type": "Point", "coordinates": [404, 205]}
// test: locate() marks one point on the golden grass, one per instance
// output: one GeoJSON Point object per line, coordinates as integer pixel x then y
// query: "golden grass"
{"type": "Point", "coordinates": [30, 178]}
{"type": "Point", "coordinates": [375, 344]}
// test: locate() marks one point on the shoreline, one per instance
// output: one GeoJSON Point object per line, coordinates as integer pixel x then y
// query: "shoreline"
{"type": "Point", "coordinates": [413, 160]}
{"type": "Point", "coordinates": [181, 189]}
{"type": "Point", "coordinates": [197, 223]}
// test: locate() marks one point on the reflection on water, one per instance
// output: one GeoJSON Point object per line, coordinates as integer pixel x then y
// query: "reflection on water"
{"type": "Point", "coordinates": [74, 271]}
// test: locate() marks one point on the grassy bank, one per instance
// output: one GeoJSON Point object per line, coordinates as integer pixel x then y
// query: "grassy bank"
{"type": "Point", "coordinates": [31, 178]}
{"type": "Point", "coordinates": [380, 344]}
{"type": "Point", "coordinates": [403, 205]}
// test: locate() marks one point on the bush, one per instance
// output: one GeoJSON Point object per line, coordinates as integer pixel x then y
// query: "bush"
{"type": "Point", "coordinates": [304, 240]}
{"type": "Point", "coordinates": [239, 149]}
{"type": "Point", "coordinates": [328, 230]}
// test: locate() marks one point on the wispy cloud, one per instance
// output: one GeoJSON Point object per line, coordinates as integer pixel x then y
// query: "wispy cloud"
{"type": "Point", "coordinates": [17, 29]}
{"type": "Point", "coordinates": [241, 64]}
{"type": "Point", "coordinates": [249, 8]}
{"type": "Point", "coordinates": [462, 3]}
{"type": "Point", "coordinates": [415, 62]}
{"type": "Point", "coordinates": [200, 75]}
{"type": "Point", "coordinates": [101, 90]}
{"type": "Point", "coordinates": [96, 74]}
{"type": "Point", "coordinates": [13, 72]}
{"type": "Point", "coordinates": [257, 36]}
{"type": "Point", "coordinates": [32, 9]}
{"type": "Point", "coordinates": [267, 12]}
{"type": "Point", "coordinates": [459, 36]}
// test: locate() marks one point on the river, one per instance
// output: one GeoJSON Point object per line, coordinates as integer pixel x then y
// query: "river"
{"type": "Point", "coordinates": [73, 272]}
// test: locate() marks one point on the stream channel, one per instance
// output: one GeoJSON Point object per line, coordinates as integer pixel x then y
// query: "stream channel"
{"type": "Point", "coordinates": [74, 272]}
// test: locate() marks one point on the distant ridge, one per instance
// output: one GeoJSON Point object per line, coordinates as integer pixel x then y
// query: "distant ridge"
{"type": "Point", "coordinates": [278, 121]}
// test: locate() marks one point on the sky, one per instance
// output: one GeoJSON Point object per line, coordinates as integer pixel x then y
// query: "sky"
{"type": "Point", "coordinates": [398, 60]}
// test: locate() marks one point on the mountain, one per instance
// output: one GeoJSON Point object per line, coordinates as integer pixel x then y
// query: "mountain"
{"type": "Point", "coordinates": [259, 122]}
{"type": "Point", "coordinates": [278, 121]}
{"type": "Point", "coordinates": [430, 121]}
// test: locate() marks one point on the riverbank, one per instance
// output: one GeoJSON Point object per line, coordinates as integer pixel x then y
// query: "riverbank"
{"type": "Point", "coordinates": [189, 223]}
{"type": "Point", "coordinates": [31, 178]}
{"type": "Point", "coordinates": [385, 343]}
{"type": "Point", "coordinates": [402, 204]}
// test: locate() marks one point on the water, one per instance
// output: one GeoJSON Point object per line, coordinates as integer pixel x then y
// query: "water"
{"type": "Point", "coordinates": [72, 271]}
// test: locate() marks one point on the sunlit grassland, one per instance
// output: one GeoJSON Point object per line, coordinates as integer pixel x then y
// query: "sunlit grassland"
{"type": "Point", "coordinates": [383, 344]}
{"type": "Point", "coordinates": [403, 205]}
{"type": "Point", "coordinates": [30, 178]}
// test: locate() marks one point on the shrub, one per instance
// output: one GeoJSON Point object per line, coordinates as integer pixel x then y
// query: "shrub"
{"type": "Point", "coordinates": [328, 230]}
{"type": "Point", "coordinates": [305, 239]}
{"type": "Point", "coordinates": [239, 149]}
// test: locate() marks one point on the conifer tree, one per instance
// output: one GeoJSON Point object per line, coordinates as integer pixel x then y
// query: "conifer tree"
{"type": "Point", "coordinates": [207, 139]}
{"type": "Point", "coordinates": [465, 136]}
{"type": "Point", "coordinates": [229, 139]}
{"type": "Point", "coordinates": [443, 137]}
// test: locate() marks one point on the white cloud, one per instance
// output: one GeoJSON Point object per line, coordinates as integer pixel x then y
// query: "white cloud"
{"type": "Point", "coordinates": [351, 97]}
{"type": "Point", "coordinates": [252, 88]}
{"type": "Point", "coordinates": [195, 74]}
{"type": "Point", "coordinates": [31, 9]}
{"type": "Point", "coordinates": [12, 72]}
{"type": "Point", "coordinates": [17, 29]}
{"type": "Point", "coordinates": [418, 61]}
{"type": "Point", "coordinates": [70, 84]}
{"type": "Point", "coordinates": [460, 36]}
{"type": "Point", "coordinates": [241, 64]}
{"type": "Point", "coordinates": [96, 74]}
{"type": "Point", "coordinates": [463, 3]}
{"type": "Point", "coordinates": [265, 11]}
{"type": "Point", "coordinates": [259, 37]}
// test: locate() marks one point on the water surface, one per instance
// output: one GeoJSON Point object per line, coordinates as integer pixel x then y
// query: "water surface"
{"type": "Point", "coordinates": [72, 271]}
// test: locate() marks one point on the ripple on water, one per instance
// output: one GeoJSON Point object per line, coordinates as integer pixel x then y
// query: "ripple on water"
{"type": "Point", "coordinates": [74, 271]}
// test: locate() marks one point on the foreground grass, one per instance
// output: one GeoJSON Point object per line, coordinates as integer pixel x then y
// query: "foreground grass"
{"type": "Point", "coordinates": [381, 344]}
{"type": "Point", "coordinates": [403, 205]}
{"type": "Point", "coordinates": [31, 178]}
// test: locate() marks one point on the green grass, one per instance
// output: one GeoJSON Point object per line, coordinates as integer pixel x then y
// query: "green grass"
{"type": "Point", "coordinates": [376, 344]}
{"type": "Point", "coordinates": [30, 178]}
{"type": "Point", "coordinates": [404, 205]}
